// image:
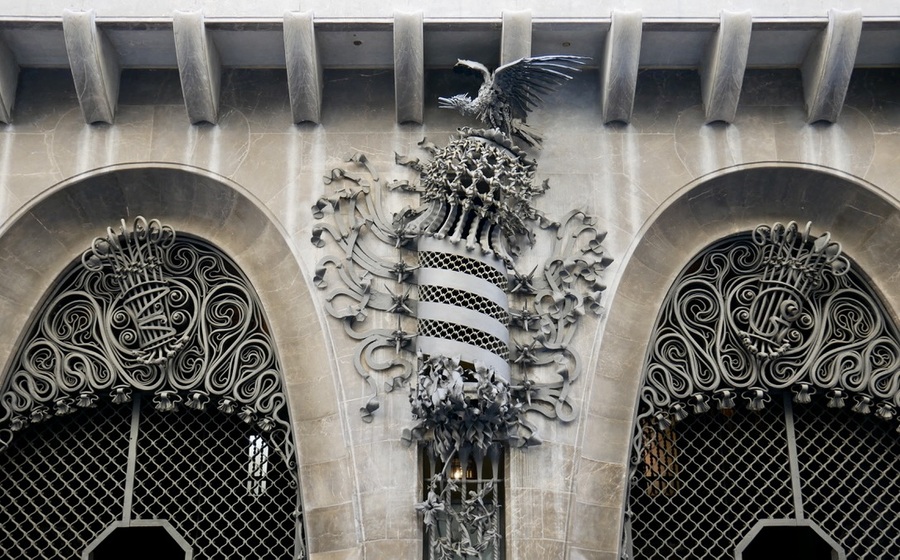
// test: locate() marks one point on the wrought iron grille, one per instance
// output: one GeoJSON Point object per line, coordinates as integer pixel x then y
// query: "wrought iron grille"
{"type": "Point", "coordinates": [173, 323]}
{"type": "Point", "coordinates": [62, 483]}
{"type": "Point", "coordinates": [213, 477]}
{"type": "Point", "coordinates": [705, 481]}
{"type": "Point", "coordinates": [779, 333]}
{"type": "Point", "coordinates": [468, 520]}
{"type": "Point", "coordinates": [462, 298]}
{"type": "Point", "coordinates": [201, 471]}
{"type": "Point", "coordinates": [850, 478]}
{"type": "Point", "coordinates": [462, 333]}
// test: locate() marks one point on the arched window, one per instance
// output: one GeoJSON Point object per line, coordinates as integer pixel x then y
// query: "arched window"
{"type": "Point", "coordinates": [144, 413]}
{"type": "Point", "coordinates": [766, 422]}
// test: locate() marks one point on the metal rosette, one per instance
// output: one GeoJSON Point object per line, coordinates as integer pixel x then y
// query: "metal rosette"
{"type": "Point", "coordinates": [463, 308]}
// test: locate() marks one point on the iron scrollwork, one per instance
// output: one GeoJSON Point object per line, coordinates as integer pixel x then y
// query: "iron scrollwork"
{"type": "Point", "coordinates": [146, 310]}
{"type": "Point", "coordinates": [492, 337]}
{"type": "Point", "coordinates": [777, 310]}
{"type": "Point", "coordinates": [546, 301]}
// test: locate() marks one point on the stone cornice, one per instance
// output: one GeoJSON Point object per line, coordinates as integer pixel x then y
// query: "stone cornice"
{"type": "Point", "coordinates": [825, 46]}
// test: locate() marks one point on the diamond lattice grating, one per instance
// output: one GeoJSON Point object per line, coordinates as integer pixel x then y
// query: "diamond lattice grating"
{"type": "Point", "coordinates": [705, 482]}
{"type": "Point", "coordinates": [850, 478]}
{"type": "Point", "coordinates": [449, 261]}
{"type": "Point", "coordinates": [196, 470]}
{"type": "Point", "coordinates": [62, 482]}
{"type": "Point", "coordinates": [462, 298]}
{"type": "Point", "coordinates": [461, 333]}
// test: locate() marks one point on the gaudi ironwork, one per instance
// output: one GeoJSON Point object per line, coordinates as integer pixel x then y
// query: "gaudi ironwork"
{"type": "Point", "coordinates": [507, 95]}
{"type": "Point", "coordinates": [170, 325]}
{"type": "Point", "coordinates": [492, 337]}
{"type": "Point", "coordinates": [774, 323]}
{"type": "Point", "coordinates": [135, 257]}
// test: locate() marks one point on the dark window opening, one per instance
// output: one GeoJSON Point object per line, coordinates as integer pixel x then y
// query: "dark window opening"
{"type": "Point", "coordinates": [788, 543]}
{"type": "Point", "coordinates": [138, 543]}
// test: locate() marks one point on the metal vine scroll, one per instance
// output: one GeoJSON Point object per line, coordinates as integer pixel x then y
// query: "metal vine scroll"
{"type": "Point", "coordinates": [772, 328]}
{"type": "Point", "coordinates": [778, 310]}
{"type": "Point", "coordinates": [546, 300]}
{"type": "Point", "coordinates": [170, 317]}
{"type": "Point", "coordinates": [492, 335]}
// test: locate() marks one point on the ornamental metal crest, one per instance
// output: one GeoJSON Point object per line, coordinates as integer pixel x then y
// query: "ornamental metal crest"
{"type": "Point", "coordinates": [474, 298]}
{"type": "Point", "coordinates": [764, 309]}
{"type": "Point", "coordinates": [449, 270]}
{"type": "Point", "coordinates": [146, 310]}
{"type": "Point", "coordinates": [778, 310]}
{"type": "Point", "coordinates": [135, 258]}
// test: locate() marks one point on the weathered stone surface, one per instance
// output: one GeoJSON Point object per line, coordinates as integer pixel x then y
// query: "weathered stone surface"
{"type": "Point", "coordinates": [198, 66]}
{"type": "Point", "coordinates": [304, 67]}
{"type": "Point", "coordinates": [722, 71]}
{"type": "Point", "coordinates": [409, 66]}
{"type": "Point", "coordinates": [828, 65]}
{"type": "Point", "coordinates": [9, 79]}
{"type": "Point", "coordinates": [515, 40]}
{"type": "Point", "coordinates": [329, 530]}
{"type": "Point", "coordinates": [586, 518]}
{"type": "Point", "coordinates": [601, 483]}
{"type": "Point", "coordinates": [664, 186]}
{"type": "Point", "coordinates": [95, 66]}
{"type": "Point", "coordinates": [621, 54]}
{"type": "Point", "coordinates": [481, 9]}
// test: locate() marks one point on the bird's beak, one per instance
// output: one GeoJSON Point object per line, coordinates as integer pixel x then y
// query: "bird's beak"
{"type": "Point", "coordinates": [444, 103]}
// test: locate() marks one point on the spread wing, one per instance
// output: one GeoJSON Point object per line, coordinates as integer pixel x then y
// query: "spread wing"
{"type": "Point", "coordinates": [472, 67]}
{"type": "Point", "coordinates": [522, 82]}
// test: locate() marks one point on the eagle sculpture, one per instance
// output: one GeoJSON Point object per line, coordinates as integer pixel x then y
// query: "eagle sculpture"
{"type": "Point", "coordinates": [512, 91]}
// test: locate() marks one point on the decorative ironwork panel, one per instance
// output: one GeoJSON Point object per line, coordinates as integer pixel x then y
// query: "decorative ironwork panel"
{"type": "Point", "coordinates": [704, 482]}
{"type": "Point", "coordinates": [172, 323]}
{"type": "Point", "coordinates": [465, 299]}
{"type": "Point", "coordinates": [773, 316]}
{"type": "Point", "coordinates": [62, 482]}
{"type": "Point", "coordinates": [850, 478]}
{"type": "Point", "coordinates": [482, 363]}
{"type": "Point", "coordinates": [463, 507]}
{"type": "Point", "coordinates": [449, 261]}
{"type": "Point", "coordinates": [462, 333]}
{"type": "Point", "coordinates": [778, 309]}
{"type": "Point", "coordinates": [195, 333]}
{"type": "Point", "coordinates": [207, 473]}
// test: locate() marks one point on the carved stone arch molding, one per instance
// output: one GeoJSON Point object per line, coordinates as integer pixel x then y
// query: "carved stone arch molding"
{"type": "Point", "coordinates": [52, 231]}
{"type": "Point", "coordinates": [864, 218]}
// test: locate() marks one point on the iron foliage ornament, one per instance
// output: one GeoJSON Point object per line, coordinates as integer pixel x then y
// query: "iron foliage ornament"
{"type": "Point", "coordinates": [492, 338]}
{"type": "Point", "coordinates": [779, 310]}
{"type": "Point", "coordinates": [546, 302]}
{"type": "Point", "coordinates": [146, 310]}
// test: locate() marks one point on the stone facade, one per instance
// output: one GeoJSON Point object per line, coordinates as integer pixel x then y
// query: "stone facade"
{"type": "Point", "coordinates": [664, 185]}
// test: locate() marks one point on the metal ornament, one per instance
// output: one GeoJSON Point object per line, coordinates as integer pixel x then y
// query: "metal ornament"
{"type": "Point", "coordinates": [491, 335]}
{"type": "Point", "coordinates": [543, 304]}
{"type": "Point", "coordinates": [135, 257]}
{"type": "Point", "coordinates": [777, 310]}
{"type": "Point", "coordinates": [773, 328]}
{"type": "Point", "coordinates": [507, 95]}
{"type": "Point", "coordinates": [146, 311]}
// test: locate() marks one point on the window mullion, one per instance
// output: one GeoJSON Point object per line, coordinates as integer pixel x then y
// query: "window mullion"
{"type": "Point", "coordinates": [132, 457]}
{"type": "Point", "coordinates": [792, 456]}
